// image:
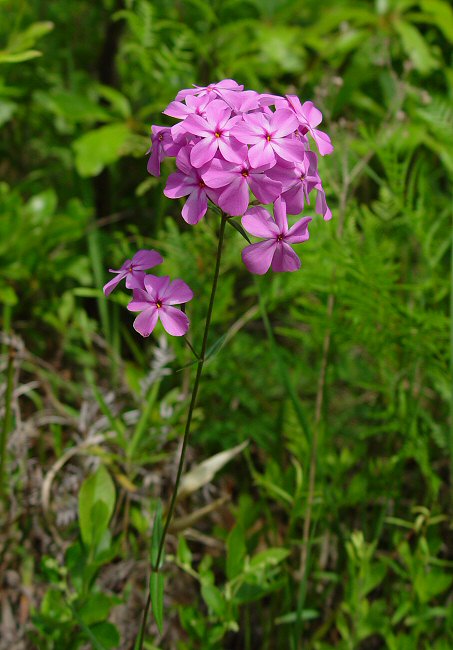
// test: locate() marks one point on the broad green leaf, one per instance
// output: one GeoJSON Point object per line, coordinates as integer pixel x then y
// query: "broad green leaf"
{"type": "Point", "coordinates": [99, 148]}
{"type": "Point", "coordinates": [95, 609]}
{"type": "Point", "coordinates": [96, 505]}
{"type": "Point", "coordinates": [269, 557]}
{"type": "Point", "coordinates": [107, 634]}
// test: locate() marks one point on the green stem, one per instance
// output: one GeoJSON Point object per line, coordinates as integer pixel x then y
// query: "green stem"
{"type": "Point", "coordinates": [8, 416]}
{"type": "Point", "coordinates": [204, 344]}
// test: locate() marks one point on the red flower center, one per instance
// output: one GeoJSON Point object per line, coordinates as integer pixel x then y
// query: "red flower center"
{"type": "Point", "coordinates": [245, 173]}
{"type": "Point", "coordinates": [159, 304]}
{"type": "Point", "coordinates": [280, 238]}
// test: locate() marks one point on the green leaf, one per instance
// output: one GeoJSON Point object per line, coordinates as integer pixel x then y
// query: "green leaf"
{"type": "Point", "coordinates": [99, 148]}
{"type": "Point", "coordinates": [415, 46]}
{"type": "Point", "coordinates": [19, 57]}
{"type": "Point", "coordinates": [237, 226]}
{"type": "Point", "coordinates": [269, 557]}
{"type": "Point", "coordinates": [156, 588]}
{"type": "Point", "coordinates": [96, 505]}
{"type": "Point", "coordinates": [107, 634]}
{"type": "Point", "coordinates": [236, 551]}
{"type": "Point", "coordinates": [157, 536]}
{"type": "Point", "coordinates": [95, 609]}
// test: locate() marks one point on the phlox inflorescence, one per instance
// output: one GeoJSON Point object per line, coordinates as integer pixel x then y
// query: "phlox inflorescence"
{"type": "Point", "coordinates": [237, 149]}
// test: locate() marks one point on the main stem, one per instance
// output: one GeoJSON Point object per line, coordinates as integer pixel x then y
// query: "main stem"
{"type": "Point", "coordinates": [185, 440]}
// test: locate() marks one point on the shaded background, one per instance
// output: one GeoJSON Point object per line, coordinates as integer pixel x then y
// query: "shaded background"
{"type": "Point", "coordinates": [359, 356]}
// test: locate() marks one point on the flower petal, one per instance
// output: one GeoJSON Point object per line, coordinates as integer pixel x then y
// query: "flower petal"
{"type": "Point", "coordinates": [234, 199]}
{"type": "Point", "coordinates": [259, 223]}
{"type": "Point", "coordinates": [178, 185]}
{"type": "Point", "coordinates": [135, 279]}
{"type": "Point", "coordinates": [175, 322]}
{"type": "Point", "coordinates": [195, 207]}
{"type": "Point", "coordinates": [108, 288]}
{"type": "Point", "coordinates": [178, 293]}
{"type": "Point", "coordinates": [280, 215]}
{"type": "Point", "coordinates": [264, 188]}
{"type": "Point", "coordinates": [258, 257]}
{"type": "Point", "coordinates": [299, 232]}
{"type": "Point", "coordinates": [285, 259]}
{"type": "Point", "coordinates": [156, 285]}
{"type": "Point", "coordinates": [261, 153]}
{"type": "Point", "coordinates": [204, 151]}
{"type": "Point", "coordinates": [220, 173]}
{"type": "Point", "coordinates": [283, 122]}
{"type": "Point", "coordinates": [146, 259]}
{"type": "Point", "coordinates": [146, 321]}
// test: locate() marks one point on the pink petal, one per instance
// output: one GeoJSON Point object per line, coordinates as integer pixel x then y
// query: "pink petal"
{"type": "Point", "coordinates": [323, 142]}
{"type": "Point", "coordinates": [258, 257]}
{"type": "Point", "coordinates": [195, 207]}
{"type": "Point", "coordinates": [178, 185]}
{"type": "Point", "coordinates": [197, 125]}
{"type": "Point", "coordinates": [108, 288]}
{"type": "Point", "coordinates": [146, 259]}
{"type": "Point", "coordinates": [283, 122]}
{"type": "Point", "coordinates": [313, 114]}
{"type": "Point", "coordinates": [234, 199]}
{"type": "Point", "coordinates": [156, 285]}
{"type": "Point", "coordinates": [141, 301]}
{"type": "Point", "coordinates": [183, 161]}
{"type": "Point", "coordinates": [261, 154]}
{"type": "Point", "coordinates": [299, 232]}
{"type": "Point", "coordinates": [177, 110]}
{"type": "Point", "coordinates": [259, 223]}
{"type": "Point", "coordinates": [204, 151]}
{"type": "Point", "coordinates": [264, 188]}
{"type": "Point", "coordinates": [146, 321]}
{"type": "Point", "coordinates": [135, 279]}
{"type": "Point", "coordinates": [175, 322]}
{"type": "Point", "coordinates": [245, 135]}
{"type": "Point", "coordinates": [217, 113]}
{"type": "Point", "coordinates": [280, 215]}
{"type": "Point", "coordinates": [154, 160]}
{"type": "Point", "coordinates": [231, 149]}
{"type": "Point", "coordinates": [291, 150]}
{"type": "Point", "coordinates": [285, 259]}
{"type": "Point", "coordinates": [294, 199]}
{"type": "Point", "coordinates": [220, 173]}
{"type": "Point", "coordinates": [178, 293]}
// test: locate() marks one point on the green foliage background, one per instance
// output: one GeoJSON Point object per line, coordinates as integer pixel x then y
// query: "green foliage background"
{"type": "Point", "coordinates": [353, 351]}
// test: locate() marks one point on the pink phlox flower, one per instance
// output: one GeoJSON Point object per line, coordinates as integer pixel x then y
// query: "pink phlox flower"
{"type": "Point", "coordinates": [216, 89]}
{"type": "Point", "coordinates": [180, 110]}
{"type": "Point", "coordinates": [237, 179]}
{"type": "Point", "coordinates": [155, 301]}
{"type": "Point", "coordinates": [188, 181]}
{"type": "Point", "coordinates": [321, 203]}
{"type": "Point", "coordinates": [134, 270]}
{"type": "Point", "coordinates": [309, 117]}
{"type": "Point", "coordinates": [275, 250]}
{"type": "Point", "coordinates": [297, 180]}
{"type": "Point", "coordinates": [214, 131]}
{"type": "Point", "coordinates": [266, 99]}
{"type": "Point", "coordinates": [242, 101]}
{"type": "Point", "coordinates": [162, 146]}
{"type": "Point", "coordinates": [268, 136]}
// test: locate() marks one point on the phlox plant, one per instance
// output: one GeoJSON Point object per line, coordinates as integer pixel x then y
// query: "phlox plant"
{"type": "Point", "coordinates": [235, 150]}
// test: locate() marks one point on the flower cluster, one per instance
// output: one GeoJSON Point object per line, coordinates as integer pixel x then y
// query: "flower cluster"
{"type": "Point", "coordinates": [155, 297]}
{"type": "Point", "coordinates": [236, 148]}
{"type": "Point", "coordinates": [229, 143]}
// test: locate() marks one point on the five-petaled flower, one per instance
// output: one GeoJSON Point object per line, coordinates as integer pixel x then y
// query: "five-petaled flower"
{"type": "Point", "coordinates": [156, 301]}
{"type": "Point", "coordinates": [275, 250]}
{"type": "Point", "coordinates": [134, 270]}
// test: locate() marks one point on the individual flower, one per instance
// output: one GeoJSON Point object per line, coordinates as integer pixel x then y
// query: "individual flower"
{"type": "Point", "coordinates": [213, 89]}
{"type": "Point", "coordinates": [309, 117]}
{"type": "Point", "coordinates": [188, 181]}
{"type": "Point", "coordinates": [214, 130]}
{"type": "Point", "coordinates": [236, 179]}
{"type": "Point", "coordinates": [134, 270]}
{"type": "Point", "coordinates": [162, 146]}
{"type": "Point", "coordinates": [268, 135]}
{"type": "Point", "coordinates": [156, 301]}
{"type": "Point", "coordinates": [275, 250]}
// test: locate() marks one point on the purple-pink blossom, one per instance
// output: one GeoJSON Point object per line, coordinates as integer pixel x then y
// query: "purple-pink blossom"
{"type": "Point", "coordinates": [188, 182]}
{"type": "Point", "coordinates": [234, 181]}
{"type": "Point", "coordinates": [275, 251]}
{"type": "Point", "coordinates": [134, 270]}
{"type": "Point", "coordinates": [214, 130]}
{"type": "Point", "coordinates": [268, 136]}
{"type": "Point", "coordinates": [309, 118]}
{"type": "Point", "coordinates": [156, 302]}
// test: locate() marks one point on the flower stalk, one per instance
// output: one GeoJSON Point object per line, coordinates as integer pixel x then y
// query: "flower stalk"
{"type": "Point", "coordinates": [193, 400]}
